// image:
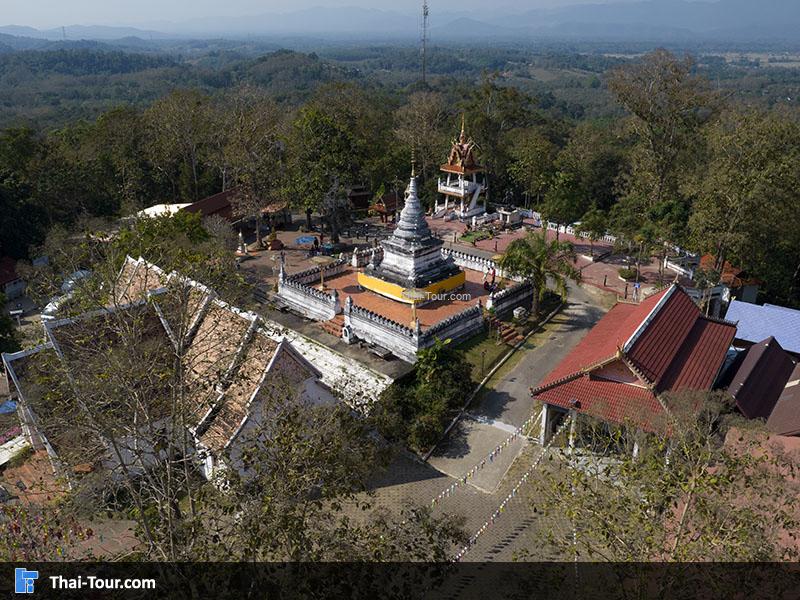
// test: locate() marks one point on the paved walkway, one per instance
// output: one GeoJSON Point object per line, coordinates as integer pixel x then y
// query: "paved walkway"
{"type": "Point", "coordinates": [505, 406]}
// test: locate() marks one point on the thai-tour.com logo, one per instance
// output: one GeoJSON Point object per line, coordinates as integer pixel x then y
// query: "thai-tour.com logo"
{"type": "Point", "coordinates": [24, 582]}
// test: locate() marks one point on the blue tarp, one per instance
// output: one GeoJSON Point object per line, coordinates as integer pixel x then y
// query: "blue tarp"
{"type": "Point", "coordinates": [305, 239]}
{"type": "Point", "coordinates": [8, 407]}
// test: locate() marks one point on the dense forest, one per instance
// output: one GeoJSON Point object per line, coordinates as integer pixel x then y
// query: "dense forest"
{"type": "Point", "coordinates": [661, 149]}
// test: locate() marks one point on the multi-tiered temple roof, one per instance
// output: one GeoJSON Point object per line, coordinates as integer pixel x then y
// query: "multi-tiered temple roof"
{"type": "Point", "coordinates": [462, 155]}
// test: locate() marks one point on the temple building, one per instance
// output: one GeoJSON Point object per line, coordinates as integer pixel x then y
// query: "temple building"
{"type": "Point", "coordinates": [464, 186]}
{"type": "Point", "coordinates": [412, 257]}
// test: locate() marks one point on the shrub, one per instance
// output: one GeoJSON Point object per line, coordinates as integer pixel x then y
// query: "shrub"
{"type": "Point", "coordinates": [416, 409]}
{"type": "Point", "coordinates": [627, 273]}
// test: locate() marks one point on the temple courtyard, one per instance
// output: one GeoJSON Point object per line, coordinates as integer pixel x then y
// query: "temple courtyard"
{"type": "Point", "coordinates": [428, 314]}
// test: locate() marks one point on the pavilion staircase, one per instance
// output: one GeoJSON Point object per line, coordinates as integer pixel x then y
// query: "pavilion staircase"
{"type": "Point", "coordinates": [508, 333]}
{"type": "Point", "coordinates": [334, 326]}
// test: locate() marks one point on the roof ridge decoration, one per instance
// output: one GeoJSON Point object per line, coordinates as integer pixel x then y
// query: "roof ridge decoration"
{"type": "Point", "coordinates": [719, 320]}
{"type": "Point", "coordinates": [587, 370]}
{"type": "Point", "coordinates": [638, 372]}
{"type": "Point", "coordinates": [462, 150]}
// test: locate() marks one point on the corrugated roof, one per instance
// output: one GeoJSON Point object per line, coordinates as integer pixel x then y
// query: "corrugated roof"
{"type": "Point", "coordinates": [217, 204]}
{"type": "Point", "coordinates": [785, 416]}
{"type": "Point", "coordinates": [761, 378]}
{"type": "Point", "coordinates": [756, 323]}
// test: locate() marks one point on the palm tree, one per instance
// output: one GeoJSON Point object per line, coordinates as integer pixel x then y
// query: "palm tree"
{"type": "Point", "coordinates": [536, 260]}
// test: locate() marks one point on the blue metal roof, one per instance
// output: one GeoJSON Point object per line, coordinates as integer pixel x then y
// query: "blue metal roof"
{"type": "Point", "coordinates": [756, 323]}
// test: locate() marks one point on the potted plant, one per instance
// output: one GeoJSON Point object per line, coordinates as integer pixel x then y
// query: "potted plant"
{"type": "Point", "coordinates": [273, 243]}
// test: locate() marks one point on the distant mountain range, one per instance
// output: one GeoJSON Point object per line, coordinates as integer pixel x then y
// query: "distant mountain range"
{"type": "Point", "coordinates": [653, 20]}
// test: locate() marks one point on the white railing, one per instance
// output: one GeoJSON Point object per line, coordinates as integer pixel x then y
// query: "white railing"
{"type": "Point", "coordinates": [462, 188]}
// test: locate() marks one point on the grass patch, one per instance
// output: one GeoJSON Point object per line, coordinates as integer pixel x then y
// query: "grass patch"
{"type": "Point", "coordinates": [475, 236]}
{"type": "Point", "coordinates": [482, 352]}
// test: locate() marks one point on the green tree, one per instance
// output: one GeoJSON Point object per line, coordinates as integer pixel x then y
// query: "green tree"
{"type": "Point", "coordinates": [492, 112]}
{"type": "Point", "coordinates": [416, 409]}
{"type": "Point", "coordinates": [178, 130]}
{"type": "Point", "coordinates": [564, 202]}
{"type": "Point", "coordinates": [23, 221]}
{"type": "Point", "coordinates": [594, 157]}
{"type": "Point", "coordinates": [538, 260]}
{"type": "Point", "coordinates": [594, 223]}
{"type": "Point", "coordinates": [420, 127]}
{"type": "Point", "coordinates": [532, 164]}
{"type": "Point", "coordinates": [747, 194]}
{"type": "Point", "coordinates": [9, 340]}
{"type": "Point", "coordinates": [332, 145]}
{"type": "Point", "coordinates": [669, 106]}
{"type": "Point", "coordinates": [254, 151]}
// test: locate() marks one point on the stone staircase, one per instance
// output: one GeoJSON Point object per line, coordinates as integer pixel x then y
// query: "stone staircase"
{"type": "Point", "coordinates": [508, 333]}
{"type": "Point", "coordinates": [333, 326]}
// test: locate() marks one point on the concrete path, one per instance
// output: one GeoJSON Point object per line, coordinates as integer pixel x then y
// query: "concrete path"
{"type": "Point", "coordinates": [507, 403]}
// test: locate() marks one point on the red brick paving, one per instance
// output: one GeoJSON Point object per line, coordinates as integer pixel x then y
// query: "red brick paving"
{"type": "Point", "coordinates": [36, 476]}
{"type": "Point", "coordinates": [428, 315]}
{"type": "Point", "coordinates": [262, 266]}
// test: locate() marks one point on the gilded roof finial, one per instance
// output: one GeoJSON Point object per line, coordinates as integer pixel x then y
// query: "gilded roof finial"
{"type": "Point", "coordinates": [463, 135]}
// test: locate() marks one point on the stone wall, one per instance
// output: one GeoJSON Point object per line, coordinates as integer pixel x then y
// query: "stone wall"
{"type": "Point", "coordinates": [363, 257]}
{"type": "Point", "coordinates": [404, 342]}
{"type": "Point", "coordinates": [308, 301]}
{"type": "Point", "coordinates": [312, 275]}
{"type": "Point", "coordinates": [506, 300]}
{"type": "Point", "coordinates": [473, 262]}
{"type": "Point", "coordinates": [366, 325]}
{"type": "Point", "coordinates": [458, 327]}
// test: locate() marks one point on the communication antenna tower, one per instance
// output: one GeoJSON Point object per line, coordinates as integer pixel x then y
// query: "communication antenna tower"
{"type": "Point", "coordinates": [424, 40]}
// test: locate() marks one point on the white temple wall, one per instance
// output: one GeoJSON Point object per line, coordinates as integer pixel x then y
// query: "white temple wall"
{"type": "Point", "coordinates": [309, 302]}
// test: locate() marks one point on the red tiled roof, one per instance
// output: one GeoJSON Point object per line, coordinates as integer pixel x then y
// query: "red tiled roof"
{"type": "Point", "coordinates": [602, 342]}
{"type": "Point", "coordinates": [697, 363]}
{"type": "Point", "coordinates": [608, 400]}
{"type": "Point", "coordinates": [664, 341]}
{"type": "Point", "coordinates": [731, 276]}
{"type": "Point", "coordinates": [657, 344]}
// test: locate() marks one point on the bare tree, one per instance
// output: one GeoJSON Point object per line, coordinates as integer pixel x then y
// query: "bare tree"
{"type": "Point", "coordinates": [254, 148]}
{"type": "Point", "coordinates": [686, 494]}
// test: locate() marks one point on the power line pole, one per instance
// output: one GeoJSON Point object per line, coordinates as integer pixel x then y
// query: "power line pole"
{"type": "Point", "coordinates": [424, 40]}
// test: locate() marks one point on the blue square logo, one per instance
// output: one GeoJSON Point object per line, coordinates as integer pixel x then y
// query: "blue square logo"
{"type": "Point", "coordinates": [24, 580]}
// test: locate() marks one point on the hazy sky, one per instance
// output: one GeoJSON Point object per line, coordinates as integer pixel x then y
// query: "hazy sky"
{"type": "Point", "coordinates": [52, 13]}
